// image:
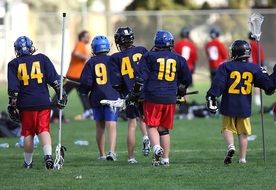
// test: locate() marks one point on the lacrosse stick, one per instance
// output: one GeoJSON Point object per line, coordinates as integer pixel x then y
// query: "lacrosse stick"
{"type": "Point", "coordinates": [60, 149]}
{"type": "Point", "coordinates": [121, 103]}
{"type": "Point", "coordinates": [255, 24]}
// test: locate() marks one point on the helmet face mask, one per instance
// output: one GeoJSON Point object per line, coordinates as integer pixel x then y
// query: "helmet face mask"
{"type": "Point", "coordinates": [163, 39]}
{"type": "Point", "coordinates": [240, 50]}
{"type": "Point", "coordinates": [23, 46]}
{"type": "Point", "coordinates": [100, 44]}
{"type": "Point", "coordinates": [124, 36]}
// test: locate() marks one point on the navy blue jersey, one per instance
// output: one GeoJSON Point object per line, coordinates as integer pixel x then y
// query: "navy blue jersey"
{"type": "Point", "coordinates": [29, 76]}
{"type": "Point", "coordinates": [95, 78]}
{"type": "Point", "coordinates": [234, 81]}
{"type": "Point", "coordinates": [162, 72]}
{"type": "Point", "coordinates": [125, 65]}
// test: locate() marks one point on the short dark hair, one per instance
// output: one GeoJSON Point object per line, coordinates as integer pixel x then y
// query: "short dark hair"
{"type": "Point", "coordinates": [82, 34]}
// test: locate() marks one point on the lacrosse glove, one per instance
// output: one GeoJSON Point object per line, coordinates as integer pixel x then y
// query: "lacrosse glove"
{"type": "Point", "coordinates": [212, 104]}
{"type": "Point", "coordinates": [12, 107]}
{"type": "Point", "coordinates": [60, 103]}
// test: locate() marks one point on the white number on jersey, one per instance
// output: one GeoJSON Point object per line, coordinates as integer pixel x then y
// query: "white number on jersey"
{"type": "Point", "coordinates": [213, 53]}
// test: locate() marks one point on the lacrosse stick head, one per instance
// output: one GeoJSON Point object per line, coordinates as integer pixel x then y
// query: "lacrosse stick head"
{"type": "Point", "coordinates": [255, 25]}
{"type": "Point", "coordinates": [115, 104]}
{"type": "Point", "coordinates": [59, 161]}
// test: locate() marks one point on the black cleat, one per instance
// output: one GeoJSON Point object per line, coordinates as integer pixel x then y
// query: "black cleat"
{"type": "Point", "coordinates": [28, 166]}
{"type": "Point", "coordinates": [229, 156]}
{"type": "Point", "coordinates": [49, 162]}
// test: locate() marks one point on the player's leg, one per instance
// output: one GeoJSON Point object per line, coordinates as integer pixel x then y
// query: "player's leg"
{"type": "Point", "coordinates": [143, 128]}
{"type": "Point", "coordinates": [155, 141]}
{"type": "Point", "coordinates": [131, 138]}
{"type": "Point", "coordinates": [165, 144]}
{"type": "Point", "coordinates": [111, 117]}
{"type": "Point", "coordinates": [28, 131]}
{"type": "Point", "coordinates": [229, 127]}
{"type": "Point", "coordinates": [153, 114]}
{"type": "Point", "coordinates": [167, 124]}
{"type": "Point", "coordinates": [112, 134]}
{"type": "Point", "coordinates": [131, 113]}
{"type": "Point", "coordinates": [87, 112]}
{"type": "Point", "coordinates": [243, 148]}
{"type": "Point", "coordinates": [100, 138]}
{"type": "Point", "coordinates": [146, 140]}
{"type": "Point", "coordinates": [244, 129]}
{"type": "Point", "coordinates": [46, 143]}
{"type": "Point", "coordinates": [100, 129]}
{"type": "Point", "coordinates": [43, 131]}
{"type": "Point", "coordinates": [28, 151]}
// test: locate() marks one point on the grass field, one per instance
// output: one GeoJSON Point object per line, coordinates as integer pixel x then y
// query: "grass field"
{"type": "Point", "coordinates": [196, 158]}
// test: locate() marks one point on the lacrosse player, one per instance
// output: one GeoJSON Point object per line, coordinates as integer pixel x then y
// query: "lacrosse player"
{"type": "Point", "coordinates": [162, 71]}
{"type": "Point", "coordinates": [29, 99]}
{"type": "Point", "coordinates": [95, 79]}
{"type": "Point", "coordinates": [234, 81]}
{"type": "Point", "coordinates": [215, 51]}
{"type": "Point", "coordinates": [125, 67]}
{"type": "Point", "coordinates": [186, 47]}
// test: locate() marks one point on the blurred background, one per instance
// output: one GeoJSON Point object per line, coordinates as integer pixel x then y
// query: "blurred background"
{"type": "Point", "coordinates": [41, 21]}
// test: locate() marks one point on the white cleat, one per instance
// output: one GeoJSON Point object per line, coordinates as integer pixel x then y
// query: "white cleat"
{"type": "Point", "coordinates": [132, 161]}
{"type": "Point", "coordinates": [242, 161]}
{"type": "Point", "coordinates": [146, 147]}
{"type": "Point", "coordinates": [158, 153]}
{"type": "Point", "coordinates": [111, 156]}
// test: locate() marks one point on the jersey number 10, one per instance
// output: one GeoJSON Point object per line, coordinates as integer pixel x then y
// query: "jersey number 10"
{"type": "Point", "coordinates": [167, 68]}
{"type": "Point", "coordinates": [22, 73]}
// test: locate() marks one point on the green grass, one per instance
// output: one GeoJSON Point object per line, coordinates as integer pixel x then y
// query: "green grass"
{"type": "Point", "coordinates": [196, 158]}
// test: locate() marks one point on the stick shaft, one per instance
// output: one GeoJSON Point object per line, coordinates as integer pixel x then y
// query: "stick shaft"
{"type": "Point", "coordinates": [262, 107]}
{"type": "Point", "coordinates": [61, 74]}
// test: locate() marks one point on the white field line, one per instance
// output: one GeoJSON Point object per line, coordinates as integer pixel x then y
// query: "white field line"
{"type": "Point", "coordinates": [191, 150]}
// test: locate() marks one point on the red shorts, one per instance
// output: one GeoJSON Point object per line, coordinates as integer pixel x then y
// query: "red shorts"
{"type": "Point", "coordinates": [159, 115]}
{"type": "Point", "coordinates": [35, 122]}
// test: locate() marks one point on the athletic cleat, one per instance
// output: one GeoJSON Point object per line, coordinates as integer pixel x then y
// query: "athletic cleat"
{"type": "Point", "coordinates": [111, 156]}
{"type": "Point", "coordinates": [242, 161]}
{"type": "Point", "coordinates": [132, 161]}
{"type": "Point", "coordinates": [164, 163]}
{"type": "Point", "coordinates": [28, 166]}
{"type": "Point", "coordinates": [146, 147]}
{"type": "Point", "coordinates": [229, 155]}
{"type": "Point", "coordinates": [49, 162]}
{"type": "Point", "coordinates": [158, 153]}
{"type": "Point", "coordinates": [102, 158]}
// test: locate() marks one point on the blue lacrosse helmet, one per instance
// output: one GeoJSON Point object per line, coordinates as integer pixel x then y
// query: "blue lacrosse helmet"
{"type": "Point", "coordinates": [100, 44]}
{"type": "Point", "coordinates": [23, 46]}
{"type": "Point", "coordinates": [214, 33]}
{"type": "Point", "coordinates": [163, 39]}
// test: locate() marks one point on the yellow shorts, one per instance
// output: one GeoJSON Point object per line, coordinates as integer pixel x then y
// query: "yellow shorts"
{"type": "Point", "coordinates": [236, 125]}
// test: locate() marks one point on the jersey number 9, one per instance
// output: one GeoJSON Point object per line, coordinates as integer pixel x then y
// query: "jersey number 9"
{"type": "Point", "coordinates": [126, 68]}
{"type": "Point", "coordinates": [101, 73]}
{"type": "Point", "coordinates": [22, 73]}
{"type": "Point", "coordinates": [246, 78]}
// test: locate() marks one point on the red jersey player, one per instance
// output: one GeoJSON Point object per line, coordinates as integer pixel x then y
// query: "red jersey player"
{"type": "Point", "coordinates": [216, 52]}
{"type": "Point", "coordinates": [187, 48]}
